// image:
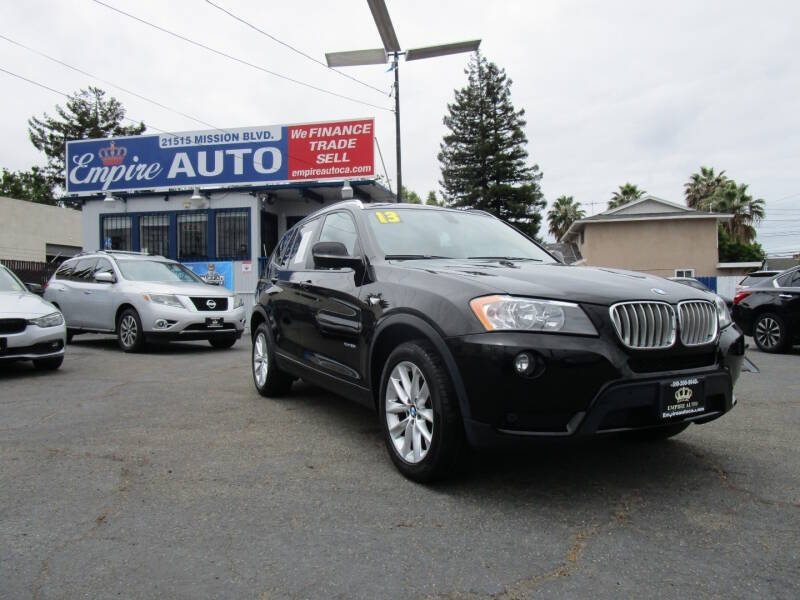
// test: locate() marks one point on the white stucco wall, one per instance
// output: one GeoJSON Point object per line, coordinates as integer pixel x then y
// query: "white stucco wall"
{"type": "Point", "coordinates": [27, 227]}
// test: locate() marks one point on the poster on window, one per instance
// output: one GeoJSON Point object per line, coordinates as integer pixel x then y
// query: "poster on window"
{"type": "Point", "coordinates": [214, 272]}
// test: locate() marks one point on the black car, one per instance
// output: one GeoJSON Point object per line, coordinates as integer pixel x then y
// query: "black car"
{"type": "Point", "coordinates": [770, 311]}
{"type": "Point", "coordinates": [460, 330]}
{"type": "Point", "coordinates": [699, 285]}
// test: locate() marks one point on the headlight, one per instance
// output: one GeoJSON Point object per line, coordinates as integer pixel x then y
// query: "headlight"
{"type": "Point", "coordinates": [723, 315]}
{"type": "Point", "coordinates": [52, 320]}
{"type": "Point", "coordinates": [499, 313]}
{"type": "Point", "coordinates": [237, 301]}
{"type": "Point", "coordinates": [165, 299]}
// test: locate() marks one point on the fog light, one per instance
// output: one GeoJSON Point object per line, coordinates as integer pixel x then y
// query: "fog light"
{"type": "Point", "coordinates": [161, 324]}
{"type": "Point", "coordinates": [523, 363]}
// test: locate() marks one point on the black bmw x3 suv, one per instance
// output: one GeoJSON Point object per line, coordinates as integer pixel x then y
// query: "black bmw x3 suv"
{"type": "Point", "coordinates": [459, 330]}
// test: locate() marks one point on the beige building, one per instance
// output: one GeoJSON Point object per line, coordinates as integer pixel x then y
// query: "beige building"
{"type": "Point", "coordinates": [38, 232]}
{"type": "Point", "coordinates": [654, 236]}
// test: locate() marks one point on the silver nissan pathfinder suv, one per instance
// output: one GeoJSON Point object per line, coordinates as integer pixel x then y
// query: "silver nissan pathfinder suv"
{"type": "Point", "coordinates": [140, 297]}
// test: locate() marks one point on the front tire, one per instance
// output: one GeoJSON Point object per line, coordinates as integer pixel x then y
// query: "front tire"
{"type": "Point", "coordinates": [48, 364]}
{"type": "Point", "coordinates": [770, 333]}
{"type": "Point", "coordinates": [223, 342]}
{"type": "Point", "coordinates": [421, 424]}
{"type": "Point", "coordinates": [269, 380]}
{"type": "Point", "coordinates": [130, 335]}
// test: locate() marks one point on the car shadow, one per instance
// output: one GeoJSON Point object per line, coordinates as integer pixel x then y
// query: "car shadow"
{"type": "Point", "coordinates": [607, 464]}
{"type": "Point", "coordinates": [171, 348]}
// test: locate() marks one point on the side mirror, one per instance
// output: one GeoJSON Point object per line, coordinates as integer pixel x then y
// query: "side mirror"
{"type": "Point", "coordinates": [104, 277]}
{"type": "Point", "coordinates": [333, 255]}
{"type": "Point", "coordinates": [35, 288]}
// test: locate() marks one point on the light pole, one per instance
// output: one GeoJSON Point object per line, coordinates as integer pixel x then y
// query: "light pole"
{"type": "Point", "coordinates": [391, 47]}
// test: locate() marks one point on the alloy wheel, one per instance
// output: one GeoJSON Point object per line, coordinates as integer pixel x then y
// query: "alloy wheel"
{"type": "Point", "coordinates": [768, 332]}
{"type": "Point", "coordinates": [409, 412]}
{"type": "Point", "coordinates": [128, 330]}
{"type": "Point", "coordinates": [260, 360]}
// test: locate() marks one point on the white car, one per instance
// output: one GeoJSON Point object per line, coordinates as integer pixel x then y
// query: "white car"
{"type": "Point", "coordinates": [30, 328]}
{"type": "Point", "coordinates": [140, 297]}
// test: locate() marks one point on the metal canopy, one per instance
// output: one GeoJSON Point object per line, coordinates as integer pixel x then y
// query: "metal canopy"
{"type": "Point", "coordinates": [385, 28]}
{"type": "Point", "coordinates": [351, 58]}
{"type": "Point", "coordinates": [442, 50]}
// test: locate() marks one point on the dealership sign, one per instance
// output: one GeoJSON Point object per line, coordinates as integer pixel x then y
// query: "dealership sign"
{"type": "Point", "coordinates": [231, 157]}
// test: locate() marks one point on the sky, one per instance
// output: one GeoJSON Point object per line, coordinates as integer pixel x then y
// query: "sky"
{"type": "Point", "coordinates": [613, 92]}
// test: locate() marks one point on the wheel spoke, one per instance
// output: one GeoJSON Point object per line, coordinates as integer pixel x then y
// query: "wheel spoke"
{"type": "Point", "coordinates": [417, 444]}
{"type": "Point", "coordinates": [426, 413]}
{"type": "Point", "coordinates": [396, 407]}
{"type": "Point", "coordinates": [398, 388]}
{"type": "Point", "coordinates": [423, 429]}
{"type": "Point", "coordinates": [398, 427]}
{"type": "Point", "coordinates": [424, 393]}
{"type": "Point", "coordinates": [401, 370]}
{"type": "Point", "coordinates": [407, 438]}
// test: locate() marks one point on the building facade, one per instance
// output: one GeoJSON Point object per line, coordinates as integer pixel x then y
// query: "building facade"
{"type": "Point", "coordinates": [38, 232]}
{"type": "Point", "coordinates": [657, 237]}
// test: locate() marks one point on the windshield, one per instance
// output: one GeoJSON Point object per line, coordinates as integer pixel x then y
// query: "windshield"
{"type": "Point", "coordinates": [9, 282]}
{"type": "Point", "coordinates": [156, 270]}
{"type": "Point", "coordinates": [421, 233]}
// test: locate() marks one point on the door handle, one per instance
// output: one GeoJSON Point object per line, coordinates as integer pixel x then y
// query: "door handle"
{"type": "Point", "coordinates": [87, 292]}
{"type": "Point", "coordinates": [786, 295]}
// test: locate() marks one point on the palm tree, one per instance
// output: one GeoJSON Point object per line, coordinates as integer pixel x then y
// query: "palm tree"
{"type": "Point", "coordinates": [626, 193]}
{"type": "Point", "coordinates": [702, 186]}
{"type": "Point", "coordinates": [747, 212]}
{"type": "Point", "coordinates": [564, 212]}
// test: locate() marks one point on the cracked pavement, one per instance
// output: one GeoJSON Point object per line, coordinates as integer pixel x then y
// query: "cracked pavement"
{"type": "Point", "coordinates": [166, 475]}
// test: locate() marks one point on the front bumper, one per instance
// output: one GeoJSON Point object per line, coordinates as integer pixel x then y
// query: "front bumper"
{"type": "Point", "coordinates": [189, 324]}
{"type": "Point", "coordinates": [34, 343]}
{"type": "Point", "coordinates": [583, 385]}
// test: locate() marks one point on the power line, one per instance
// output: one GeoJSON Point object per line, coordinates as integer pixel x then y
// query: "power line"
{"type": "Point", "coordinates": [236, 59]}
{"type": "Point", "coordinates": [127, 91]}
{"type": "Point", "coordinates": [55, 91]}
{"type": "Point", "coordinates": [383, 164]}
{"type": "Point", "coordinates": [292, 48]}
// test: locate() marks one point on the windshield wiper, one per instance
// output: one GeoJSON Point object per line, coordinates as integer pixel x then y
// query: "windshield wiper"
{"type": "Point", "coordinates": [503, 258]}
{"type": "Point", "coordinates": [412, 256]}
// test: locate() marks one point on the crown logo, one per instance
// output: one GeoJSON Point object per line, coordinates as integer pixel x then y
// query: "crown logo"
{"type": "Point", "coordinates": [683, 394]}
{"type": "Point", "coordinates": [112, 155]}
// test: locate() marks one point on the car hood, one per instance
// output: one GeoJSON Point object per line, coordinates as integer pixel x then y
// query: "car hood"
{"type": "Point", "coordinates": [595, 285]}
{"type": "Point", "coordinates": [182, 288]}
{"type": "Point", "coordinates": [22, 305]}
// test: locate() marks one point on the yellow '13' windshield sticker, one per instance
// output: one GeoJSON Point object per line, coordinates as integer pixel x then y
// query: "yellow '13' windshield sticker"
{"type": "Point", "coordinates": [387, 216]}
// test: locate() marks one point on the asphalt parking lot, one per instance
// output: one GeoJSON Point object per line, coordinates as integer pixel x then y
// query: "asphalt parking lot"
{"type": "Point", "coordinates": [164, 475]}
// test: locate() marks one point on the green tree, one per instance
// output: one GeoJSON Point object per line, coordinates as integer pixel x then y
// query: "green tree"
{"type": "Point", "coordinates": [626, 193]}
{"type": "Point", "coordinates": [564, 212]}
{"type": "Point", "coordinates": [432, 200]}
{"type": "Point", "coordinates": [702, 186]}
{"type": "Point", "coordinates": [27, 185]}
{"type": "Point", "coordinates": [410, 196]}
{"type": "Point", "coordinates": [483, 156]}
{"type": "Point", "coordinates": [747, 211]}
{"type": "Point", "coordinates": [731, 250]}
{"type": "Point", "coordinates": [87, 114]}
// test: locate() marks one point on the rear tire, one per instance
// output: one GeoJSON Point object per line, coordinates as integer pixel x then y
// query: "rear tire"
{"type": "Point", "coordinates": [48, 364]}
{"type": "Point", "coordinates": [223, 342]}
{"type": "Point", "coordinates": [130, 335]}
{"type": "Point", "coordinates": [269, 380]}
{"type": "Point", "coordinates": [657, 434]}
{"type": "Point", "coordinates": [770, 333]}
{"type": "Point", "coordinates": [418, 411]}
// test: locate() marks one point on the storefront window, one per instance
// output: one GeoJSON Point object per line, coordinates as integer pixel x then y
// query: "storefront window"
{"type": "Point", "coordinates": [154, 234]}
{"type": "Point", "coordinates": [192, 236]}
{"type": "Point", "coordinates": [117, 233]}
{"type": "Point", "coordinates": [232, 234]}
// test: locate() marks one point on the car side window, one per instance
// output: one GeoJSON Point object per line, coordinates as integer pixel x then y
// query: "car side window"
{"type": "Point", "coordinates": [65, 270]}
{"type": "Point", "coordinates": [103, 266]}
{"type": "Point", "coordinates": [795, 279]}
{"type": "Point", "coordinates": [340, 227]}
{"type": "Point", "coordinates": [785, 280]}
{"type": "Point", "coordinates": [84, 269]}
{"type": "Point", "coordinates": [299, 252]}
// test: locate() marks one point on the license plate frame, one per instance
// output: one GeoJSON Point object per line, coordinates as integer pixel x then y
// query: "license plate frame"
{"type": "Point", "coordinates": [684, 397]}
{"type": "Point", "coordinates": [215, 322]}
